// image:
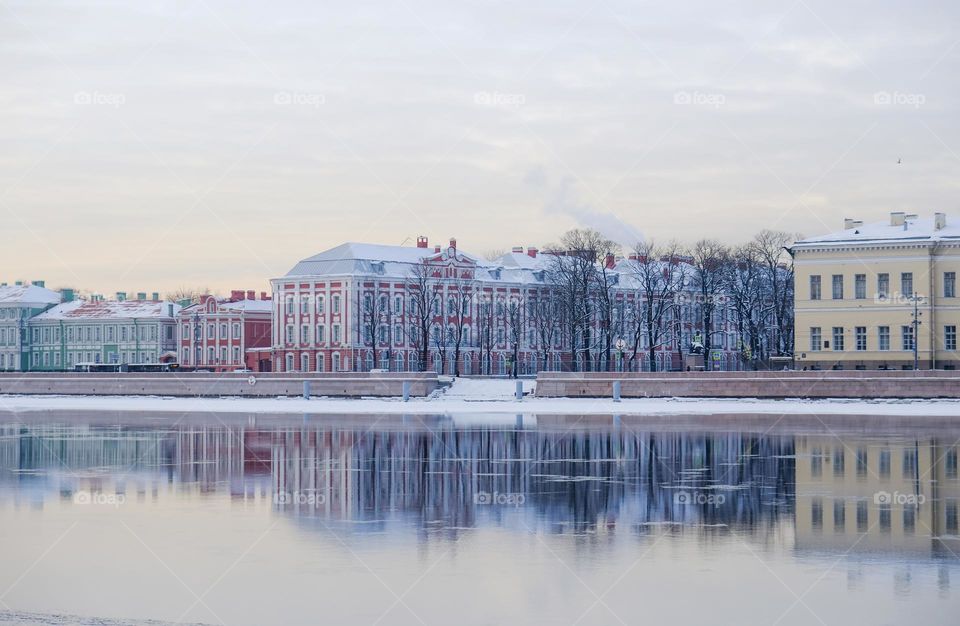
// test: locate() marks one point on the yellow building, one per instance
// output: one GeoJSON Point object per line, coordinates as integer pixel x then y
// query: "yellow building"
{"type": "Point", "coordinates": [855, 292]}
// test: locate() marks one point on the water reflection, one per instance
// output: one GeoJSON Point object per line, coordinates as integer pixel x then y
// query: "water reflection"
{"type": "Point", "coordinates": [846, 493]}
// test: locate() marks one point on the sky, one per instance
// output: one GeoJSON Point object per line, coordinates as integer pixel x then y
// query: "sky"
{"type": "Point", "coordinates": [150, 145]}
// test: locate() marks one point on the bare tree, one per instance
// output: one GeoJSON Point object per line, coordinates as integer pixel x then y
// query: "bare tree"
{"type": "Point", "coordinates": [660, 276]}
{"type": "Point", "coordinates": [422, 290]}
{"type": "Point", "coordinates": [709, 264]}
{"type": "Point", "coordinates": [573, 268]}
{"type": "Point", "coordinates": [485, 324]}
{"type": "Point", "coordinates": [460, 296]}
{"type": "Point", "coordinates": [516, 327]}
{"type": "Point", "coordinates": [193, 294]}
{"type": "Point", "coordinates": [375, 319]}
{"type": "Point", "coordinates": [546, 319]}
{"type": "Point", "coordinates": [771, 247]}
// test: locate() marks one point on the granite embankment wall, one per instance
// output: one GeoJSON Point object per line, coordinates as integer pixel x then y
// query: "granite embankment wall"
{"type": "Point", "coordinates": [792, 384]}
{"type": "Point", "coordinates": [345, 384]}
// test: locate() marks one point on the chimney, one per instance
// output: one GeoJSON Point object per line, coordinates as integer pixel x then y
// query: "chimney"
{"type": "Point", "coordinates": [66, 295]}
{"type": "Point", "coordinates": [263, 295]}
{"type": "Point", "coordinates": [896, 218]}
{"type": "Point", "coordinates": [610, 261]}
{"type": "Point", "coordinates": [155, 296]}
{"type": "Point", "coordinates": [436, 249]}
{"type": "Point", "coordinates": [421, 242]}
{"type": "Point", "coordinates": [141, 295]}
{"type": "Point", "coordinates": [518, 249]}
{"type": "Point", "coordinates": [939, 221]}
{"type": "Point", "coordinates": [121, 296]}
{"type": "Point", "coordinates": [632, 256]}
{"type": "Point", "coordinates": [453, 243]}
{"type": "Point", "coordinates": [251, 294]}
{"type": "Point", "coordinates": [169, 309]}
{"type": "Point", "coordinates": [532, 252]}
{"type": "Point", "coordinates": [39, 283]}
{"type": "Point", "coordinates": [236, 294]}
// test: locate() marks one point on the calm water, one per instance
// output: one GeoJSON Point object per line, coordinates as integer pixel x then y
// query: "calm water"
{"type": "Point", "coordinates": [125, 519]}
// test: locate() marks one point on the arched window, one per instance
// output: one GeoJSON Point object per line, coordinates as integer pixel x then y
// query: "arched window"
{"type": "Point", "coordinates": [320, 363]}
{"type": "Point", "coordinates": [336, 362]}
{"type": "Point", "coordinates": [304, 362]}
{"type": "Point", "coordinates": [400, 362]}
{"type": "Point", "coordinates": [369, 361]}
{"type": "Point", "coordinates": [289, 363]}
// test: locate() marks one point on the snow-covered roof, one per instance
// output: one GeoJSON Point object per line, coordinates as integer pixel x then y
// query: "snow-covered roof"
{"type": "Point", "coordinates": [364, 258]}
{"type": "Point", "coordinates": [27, 295]}
{"type": "Point", "coordinates": [109, 310]}
{"type": "Point", "coordinates": [240, 306]}
{"type": "Point", "coordinates": [921, 229]}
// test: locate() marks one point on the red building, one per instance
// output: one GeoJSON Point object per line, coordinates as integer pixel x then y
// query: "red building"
{"type": "Point", "coordinates": [224, 334]}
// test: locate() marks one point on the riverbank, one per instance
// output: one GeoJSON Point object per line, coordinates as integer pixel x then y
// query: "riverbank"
{"type": "Point", "coordinates": [444, 405]}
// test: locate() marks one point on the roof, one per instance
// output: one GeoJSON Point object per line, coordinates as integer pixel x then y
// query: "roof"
{"type": "Point", "coordinates": [920, 230]}
{"type": "Point", "coordinates": [361, 258]}
{"type": "Point", "coordinates": [240, 306]}
{"type": "Point", "coordinates": [28, 294]}
{"type": "Point", "coordinates": [109, 310]}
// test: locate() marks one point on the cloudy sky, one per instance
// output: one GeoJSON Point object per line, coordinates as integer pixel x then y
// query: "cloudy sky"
{"type": "Point", "coordinates": [149, 145]}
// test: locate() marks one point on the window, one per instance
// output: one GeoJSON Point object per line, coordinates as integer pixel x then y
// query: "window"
{"type": "Point", "coordinates": [816, 514]}
{"type": "Point", "coordinates": [839, 459]}
{"type": "Point", "coordinates": [860, 286]}
{"type": "Point", "coordinates": [950, 463]}
{"type": "Point", "coordinates": [289, 305]}
{"type": "Point", "coordinates": [906, 284]}
{"type": "Point", "coordinates": [838, 286]}
{"type": "Point", "coordinates": [336, 338]}
{"type": "Point", "coordinates": [236, 354]}
{"type": "Point", "coordinates": [815, 287]}
{"type": "Point", "coordinates": [883, 337]}
{"type": "Point", "coordinates": [223, 354]}
{"type": "Point", "coordinates": [838, 338]}
{"type": "Point", "coordinates": [223, 331]}
{"type": "Point", "coordinates": [839, 516]}
{"type": "Point", "coordinates": [816, 339]}
{"type": "Point", "coordinates": [884, 464]}
{"type": "Point", "coordinates": [884, 518]}
{"type": "Point", "coordinates": [862, 517]}
{"type": "Point", "coordinates": [304, 305]}
{"type": "Point", "coordinates": [304, 334]}
{"type": "Point", "coordinates": [860, 334]}
{"type": "Point", "coordinates": [949, 284]}
{"type": "Point", "coordinates": [907, 334]}
{"type": "Point", "coordinates": [289, 333]}
{"type": "Point", "coordinates": [950, 337]}
{"type": "Point", "coordinates": [816, 463]}
{"type": "Point", "coordinates": [883, 285]}
{"type": "Point", "coordinates": [320, 333]}
{"type": "Point", "coordinates": [861, 463]}
{"type": "Point", "coordinates": [236, 331]}
{"type": "Point", "coordinates": [336, 305]}
{"type": "Point", "coordinates": [398, 305]}
{"type": "Point", "coordinates": [909, 463]}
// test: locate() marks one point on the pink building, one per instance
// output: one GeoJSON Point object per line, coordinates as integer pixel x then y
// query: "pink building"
{"type": "Point", "coordinates": [223, 334]}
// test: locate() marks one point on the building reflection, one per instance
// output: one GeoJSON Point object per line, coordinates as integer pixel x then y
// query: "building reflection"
{"type": "Point", "coordinates": [824, 489]}
{"type": "Point", "coordinates": [863, 495]}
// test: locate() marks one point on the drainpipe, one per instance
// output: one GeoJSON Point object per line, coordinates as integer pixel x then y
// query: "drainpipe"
{"type": "Point", "coordinates": [932, 272]}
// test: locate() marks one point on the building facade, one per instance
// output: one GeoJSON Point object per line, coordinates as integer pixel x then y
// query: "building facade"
{"type": "Point", "coordinates": [226, 334]}
{"type": "Point", "coordinates": [358, 307]}
{"type": "Point", "coordinates": [19, 303]}
{"type": "Point", "coordinates": [103, 331]}
{"type": "Point", "coordinates": [879, 295]}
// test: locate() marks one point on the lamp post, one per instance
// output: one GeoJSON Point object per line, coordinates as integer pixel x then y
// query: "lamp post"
{"type": "Point", "coordinates": [915, 299]}
{"type": "Point", "coordinates": [620, 345]}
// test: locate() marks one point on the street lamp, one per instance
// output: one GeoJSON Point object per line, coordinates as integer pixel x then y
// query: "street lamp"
{"type": "Point", "coordinates": [915, 299]}
{"type": "Point", "coordinates": [620, 345]}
